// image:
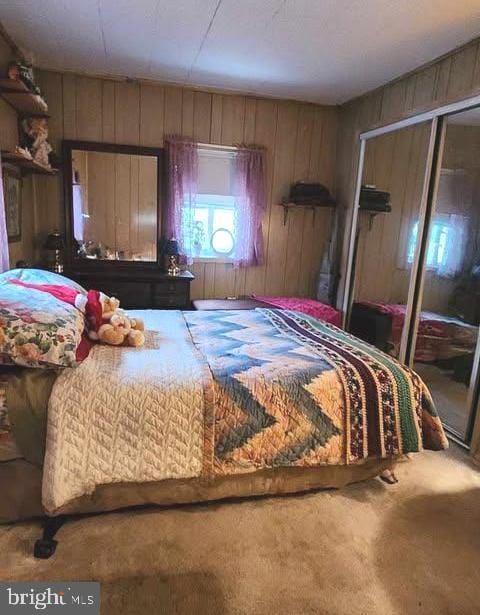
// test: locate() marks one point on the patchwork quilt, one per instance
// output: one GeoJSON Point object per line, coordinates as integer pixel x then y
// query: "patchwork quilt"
{"type": "Point", "coordinates": [228, 392]}
{"type": "Point", "coordinates": [290, 390]}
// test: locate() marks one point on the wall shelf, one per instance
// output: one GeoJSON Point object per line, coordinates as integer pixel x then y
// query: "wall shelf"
{"type": "Point", "coordinates": [27, 165]}
{"type": "Point", "coordinates": [287, 206]}
{"type": "Point", "coordinates": [25, 102]}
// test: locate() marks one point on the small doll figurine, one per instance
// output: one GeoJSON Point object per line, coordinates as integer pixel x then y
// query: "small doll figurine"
{"type": "Point", "coordinates": [35, 139]}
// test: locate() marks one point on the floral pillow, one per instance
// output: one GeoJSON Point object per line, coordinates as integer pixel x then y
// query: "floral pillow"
{"type": "Point", "coordinates": [36, 329]}
{"type": "Point", "coordinates": [40, 276]}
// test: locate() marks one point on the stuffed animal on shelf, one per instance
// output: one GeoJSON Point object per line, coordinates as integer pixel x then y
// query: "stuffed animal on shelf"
{"type": "Point", "coordinates": [35, 139]}
{"type": "Point", "coordinates": [109, 324]}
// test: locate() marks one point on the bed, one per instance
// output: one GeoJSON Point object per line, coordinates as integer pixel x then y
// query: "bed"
{"type": "Point", "coordinates": [440, 337]}
{"type": "Point", "coordinates": [215, 405]}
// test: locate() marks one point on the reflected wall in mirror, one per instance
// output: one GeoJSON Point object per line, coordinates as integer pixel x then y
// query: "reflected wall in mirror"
{"type": "Point", "coordinates": [114, 205]}
{"type": "Point", "coordinates": [450, 306]}
{"type": "Point", "coordinates": [393, 178]}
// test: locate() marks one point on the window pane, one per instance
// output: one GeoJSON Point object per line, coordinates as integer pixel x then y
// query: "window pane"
{"type": "Point", "coordinates": [223, 218]}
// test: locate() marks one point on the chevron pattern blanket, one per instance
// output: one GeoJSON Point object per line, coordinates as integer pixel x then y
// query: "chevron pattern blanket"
{"type": "Point", "coordinates": [290, 390]}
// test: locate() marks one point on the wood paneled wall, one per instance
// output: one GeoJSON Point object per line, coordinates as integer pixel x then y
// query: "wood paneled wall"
{"type": "Point", "coordinates": [301, 145]}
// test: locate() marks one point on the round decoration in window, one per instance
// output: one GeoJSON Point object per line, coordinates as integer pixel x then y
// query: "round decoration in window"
{"type": "Point", "coordinates": [222, 242]}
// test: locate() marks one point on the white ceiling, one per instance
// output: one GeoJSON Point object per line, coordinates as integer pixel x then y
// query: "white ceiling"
{"type": "Point", "coordinates": [316, 50]}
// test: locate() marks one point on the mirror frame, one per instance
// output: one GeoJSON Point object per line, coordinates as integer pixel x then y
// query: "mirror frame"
{"type": "Point", "coordinates": [85, 265]}
{"type": "Point", "coordinates": [427, 208]}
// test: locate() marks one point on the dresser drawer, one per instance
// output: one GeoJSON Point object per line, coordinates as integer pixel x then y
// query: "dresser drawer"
{"type": "Point", "coordinates": [170, 287]}
{"type": "Point", "coordinates": [132, 295]}
{"type": "Point", "coordinates": [172, 302]}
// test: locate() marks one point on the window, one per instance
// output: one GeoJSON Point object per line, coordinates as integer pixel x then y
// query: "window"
{"type": "Point", "coordinates": [209, 226]}
{"type": "Point", "coordinates": [446, 244]}
{"type": "Point", "coordinates": [209, 223]}
{"type": "Point", "coordinates": [216, 201]}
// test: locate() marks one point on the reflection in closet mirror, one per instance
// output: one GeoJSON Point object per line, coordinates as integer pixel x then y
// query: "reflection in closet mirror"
{"type": "Point", "coordinates": [450, 304]}
{"type": "Point", "coordinates": [394, 170]}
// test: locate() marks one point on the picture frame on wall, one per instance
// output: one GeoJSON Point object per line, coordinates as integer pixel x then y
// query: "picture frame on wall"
{"type": "Point", "coordinates": [12, 193]}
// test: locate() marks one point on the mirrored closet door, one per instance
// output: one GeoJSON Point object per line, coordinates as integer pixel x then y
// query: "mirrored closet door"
{"type": "Point", "coordinates": [390, 200]}
{"type": "Point", "coordinates": [447, 327]}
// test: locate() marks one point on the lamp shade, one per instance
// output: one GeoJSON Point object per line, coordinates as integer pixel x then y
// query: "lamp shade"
{"type": "Point", "coordinates": [171, 247]}
{"type": "Point", "coordinates": [54, 241]}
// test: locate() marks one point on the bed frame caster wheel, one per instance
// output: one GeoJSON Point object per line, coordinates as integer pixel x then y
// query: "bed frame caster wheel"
{"type": "Point", "coordinates": [46, 545]}
{"type": "Point", "coordinates": [44, 549]}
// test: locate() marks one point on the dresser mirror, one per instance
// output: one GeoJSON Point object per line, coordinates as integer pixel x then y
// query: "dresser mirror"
{"type": "Point", "coordinates": [113, 196]}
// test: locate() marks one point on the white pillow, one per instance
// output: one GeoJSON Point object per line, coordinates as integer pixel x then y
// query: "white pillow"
{"type": "Point", "coordinates": [40, 276]}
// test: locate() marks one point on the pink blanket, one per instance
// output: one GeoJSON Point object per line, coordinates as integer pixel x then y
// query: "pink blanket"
{"type": "Point", "coordinates": [318, 310]}
{"type": "Point", "coordinates": [439, 336]}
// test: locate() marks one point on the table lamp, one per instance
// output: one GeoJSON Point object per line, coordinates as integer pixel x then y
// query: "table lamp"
{"type": "Point", "coordinates": [55, 244]}
{"type": "Point", "coordinates": [171, 250]}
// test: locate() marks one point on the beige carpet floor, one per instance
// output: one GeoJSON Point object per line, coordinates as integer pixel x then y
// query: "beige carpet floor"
{"type": "Point", "coordinates": [368, 549]}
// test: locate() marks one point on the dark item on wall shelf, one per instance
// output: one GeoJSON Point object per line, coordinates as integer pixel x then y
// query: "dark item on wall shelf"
{"type": "Point", "coordinates": [24, 101]}
{"type": "Point", "coordinates": [374, 200]}
{"type": "Point", "coordinates": [55, 244]}
{"type": "Point", "coordinates": [310, 195]}
{"type": "Point", "coordinates": [12, 193]}
{"type": "Point", "coordinates": [27, 165]}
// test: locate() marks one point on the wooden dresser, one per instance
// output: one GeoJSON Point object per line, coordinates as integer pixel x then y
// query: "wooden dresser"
{"type": "Point", "coordinates": [140, 289]}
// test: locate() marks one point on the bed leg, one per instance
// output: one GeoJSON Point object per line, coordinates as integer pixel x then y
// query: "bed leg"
{"type": "Point", "coordinates": [46, 545]}
{"type": "Point", "coordinates": [389, 477]}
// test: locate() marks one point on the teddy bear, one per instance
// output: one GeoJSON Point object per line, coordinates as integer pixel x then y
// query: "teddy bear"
{"type": "Point", "coordinates": [109, 324]}
{"type": "Point", "coordinates": [121, 330]}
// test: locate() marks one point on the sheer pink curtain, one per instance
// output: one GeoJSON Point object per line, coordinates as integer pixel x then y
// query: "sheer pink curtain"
{"type": "Point", "coordinates": [182, 174]}
{"type": "Point", "coordinates": [4, 258]}
{"type": "Point", "coordinates": [251, 205]}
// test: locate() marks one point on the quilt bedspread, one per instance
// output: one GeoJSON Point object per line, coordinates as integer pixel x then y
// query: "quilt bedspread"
{"type": "Point", "coordinates": [290, 390]}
